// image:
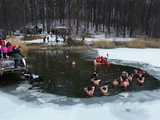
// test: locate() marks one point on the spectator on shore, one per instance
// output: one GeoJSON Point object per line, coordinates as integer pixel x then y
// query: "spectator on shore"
{"type": "Point", "coordinates": [48, 39]}
{"type": "Point", "coordinates": [5, 51]}
{"type": "Point", "coordinates": [44, 39]}
{"type": "Point", "coordinates": [1, 52]}
{"type": "Point", "coordinates": [2, 42]}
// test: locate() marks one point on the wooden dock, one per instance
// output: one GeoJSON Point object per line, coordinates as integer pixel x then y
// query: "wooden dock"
{"type": "Point", "coordinates": [8, 65]}
{"type": "Point", "coordinates": [12, 69]}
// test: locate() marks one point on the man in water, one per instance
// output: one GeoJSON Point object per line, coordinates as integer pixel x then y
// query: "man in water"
{"type": "Point", "coordinates": [94, 79]}
{"type": "Point", "coordinates": [141, 78]}
{"type": "Point", "coordinates": [124, 81]}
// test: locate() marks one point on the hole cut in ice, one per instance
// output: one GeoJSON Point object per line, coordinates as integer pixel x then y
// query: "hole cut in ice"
{"type": "Point", "coordinates": [60, 76]}
{"type": "Point", "coordinates": [67, 73]}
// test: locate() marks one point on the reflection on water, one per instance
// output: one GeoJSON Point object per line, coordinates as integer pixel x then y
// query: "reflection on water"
{"type": "Point", "coordinates": [10, 78]}
{"type": "Point", "coordinates": [60, 76]}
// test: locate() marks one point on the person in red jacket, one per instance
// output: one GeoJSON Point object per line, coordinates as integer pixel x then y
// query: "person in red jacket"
{"type": "Point", "coordinates": [2, 42]}
{"type": "Point", "coordinates": [101, 60]}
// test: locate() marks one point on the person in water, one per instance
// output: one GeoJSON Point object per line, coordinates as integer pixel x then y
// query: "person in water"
{"type": "Point", "coordinates": [94, 79]}
{"type": "Point", "coordinates": [100, 60]}
{"type": "Point", "coordinates": [124, 81]}
{"type": "Point", "coordinates": [141, 78]}
{"type": "Point", "coordinates": [134, 75]}
{"type": "Point", "coordinates": [94, 75]}
{"type": "Point", "coordinates": [115, 83]}
{"type": "Point", "coordinates": [104, 90]}
{"type": "Point", "coordinates": [90, 91]}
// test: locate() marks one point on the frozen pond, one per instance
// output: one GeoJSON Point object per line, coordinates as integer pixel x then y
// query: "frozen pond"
{"type": "Point", "coordinates": [25, 101]}
{"type": "Point", "coordinates": [59, 76]}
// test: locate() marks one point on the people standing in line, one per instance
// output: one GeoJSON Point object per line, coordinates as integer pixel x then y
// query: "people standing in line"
{"type": "Point", "coordinates": [57, 39]}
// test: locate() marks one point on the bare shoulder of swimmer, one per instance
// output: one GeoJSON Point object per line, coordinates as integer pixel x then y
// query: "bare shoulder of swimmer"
{"type": "Point", "coordinates": [92, 79]}
{"type": "Point", "coordinates": [93, 87]}
{"type": "Point", "coordinates": [96, 82]}
{"type": "Point", "coordinates": [127, 74]}
{"type": "Point", "coordinates": [85, 89]}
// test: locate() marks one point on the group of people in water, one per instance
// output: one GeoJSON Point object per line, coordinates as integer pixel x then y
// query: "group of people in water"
{"type": "Point", "coordinates": [123, 82]}
{"type": "Point", "coordinates": [101, 60]}
{"type": "Point", "coordinates": [9, 51]}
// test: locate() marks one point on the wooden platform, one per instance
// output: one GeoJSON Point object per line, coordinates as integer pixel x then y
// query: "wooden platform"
{"type": "Point", "coordinates": [8, 65]}
{"type": "Point", "coordinates": [12, 69]}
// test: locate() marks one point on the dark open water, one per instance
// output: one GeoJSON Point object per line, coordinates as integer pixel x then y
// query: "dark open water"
{"type": "Point", "coordinates": [59, 76]}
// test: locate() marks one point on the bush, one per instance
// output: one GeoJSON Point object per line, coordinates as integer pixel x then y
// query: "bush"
{"type": "Point", "coordinates": [137, 43]}
{"type": "Point", "coordinates": [32, 37]}
{"type": "Point", "coordinates": [23, 47]}
{"type": "Point", "coordinates": [104, 44]}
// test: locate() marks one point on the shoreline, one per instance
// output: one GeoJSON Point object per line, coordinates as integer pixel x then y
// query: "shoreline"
{"type": "Point", "coordinates": [139, 43]}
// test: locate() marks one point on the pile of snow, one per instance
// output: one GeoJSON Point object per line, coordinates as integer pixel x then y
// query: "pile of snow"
{"type": "Point", "coordinates": [136, 106]}
{"type": "Point", "coordinates": [96, 39]}
{"type": "Point", "coordinates": [148, 56]}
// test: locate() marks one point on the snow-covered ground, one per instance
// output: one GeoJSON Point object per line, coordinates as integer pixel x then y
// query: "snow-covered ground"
{"type": "Point", "coordinates": [52, 41]}
{"type": "Point", "coordinates": [102, 37]}
{"type": "Point", "coordinates": [91, 40]}
{"type": "Point", "coordinates": [143, 105]}
{"type": "Point", "coordinates": [148, 56]}
{"type": "Point", "coordinates": [96, 39]}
